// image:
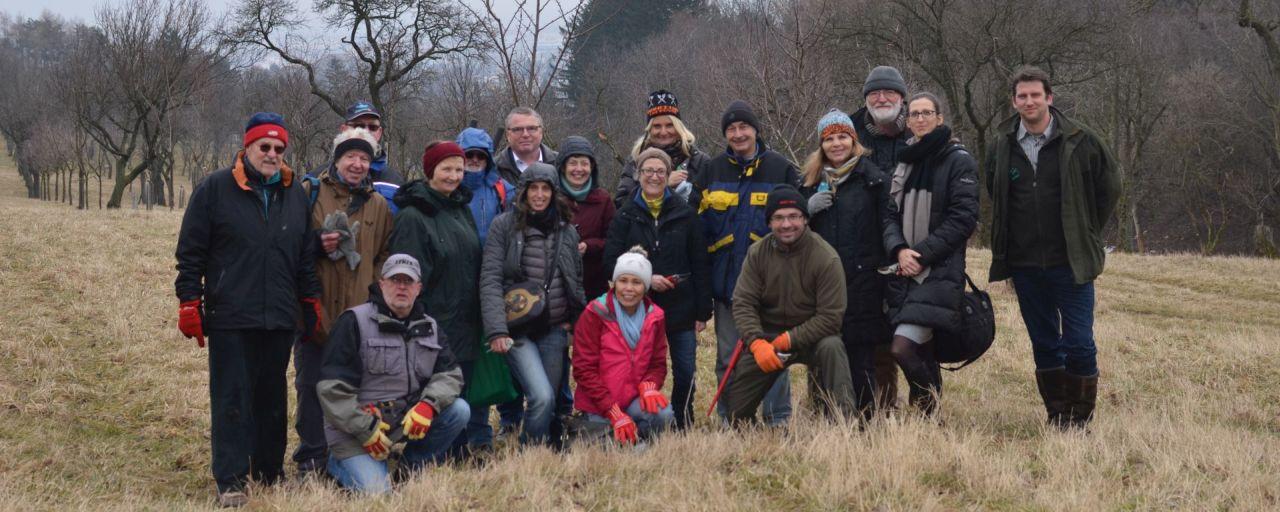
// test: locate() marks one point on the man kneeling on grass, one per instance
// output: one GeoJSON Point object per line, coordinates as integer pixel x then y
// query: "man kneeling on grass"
{"type": "Point", "coordinates": [792, 286]}
{"type": "Point", "coordinates": [387, 363]}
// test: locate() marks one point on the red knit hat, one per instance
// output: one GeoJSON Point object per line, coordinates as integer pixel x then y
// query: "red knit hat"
{"type": "Point", "coordinates": [436, 154]}
{"type": "Point", "coordinates": [265, 124]}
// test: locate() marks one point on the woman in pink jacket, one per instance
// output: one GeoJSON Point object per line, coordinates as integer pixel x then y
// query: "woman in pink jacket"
{"type": "Point", "coordinates": [620, 355]}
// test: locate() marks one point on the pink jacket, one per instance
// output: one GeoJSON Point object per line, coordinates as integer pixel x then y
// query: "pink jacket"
{"type": "Point", "coordinates": [607, 370]}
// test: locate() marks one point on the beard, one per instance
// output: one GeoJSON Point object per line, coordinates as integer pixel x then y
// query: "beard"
{"type": "Point", "coordinates": [884, 115]}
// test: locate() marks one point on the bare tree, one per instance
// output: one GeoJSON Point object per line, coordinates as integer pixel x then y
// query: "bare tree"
{"type": "Point", "coordinates": [517, 41]}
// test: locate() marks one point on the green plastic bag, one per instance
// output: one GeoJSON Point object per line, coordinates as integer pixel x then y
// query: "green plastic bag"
{"type": "Point", "coordinates": [490, 381]}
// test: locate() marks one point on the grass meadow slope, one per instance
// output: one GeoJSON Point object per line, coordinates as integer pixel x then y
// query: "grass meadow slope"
{"type": "Point", "coordinates": [104, 406]}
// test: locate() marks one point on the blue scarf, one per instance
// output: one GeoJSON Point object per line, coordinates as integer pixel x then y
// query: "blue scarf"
{"type": "Point", "coordinates": [630, 324]}
{"type": "Point", "coordinates": [578, 194]}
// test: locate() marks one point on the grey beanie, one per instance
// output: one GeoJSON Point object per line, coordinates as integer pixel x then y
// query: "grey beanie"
{"type": "Point", "coordinates": [884, 77]}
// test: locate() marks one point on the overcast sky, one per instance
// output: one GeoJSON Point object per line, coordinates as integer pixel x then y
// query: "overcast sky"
{"type": "Point", "coordinates": [83, 9]}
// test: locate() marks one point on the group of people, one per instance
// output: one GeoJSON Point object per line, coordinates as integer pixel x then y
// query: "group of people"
{"type": "Point", "coordinates": [394, 296]}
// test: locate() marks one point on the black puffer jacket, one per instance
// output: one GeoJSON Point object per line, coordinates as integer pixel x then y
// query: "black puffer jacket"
{"type": "Point", "coordinates": [858, 225]}
{"type": "Point", "coordinates": [953, 216]}
{"type": "Point", "coordinates": [675, 246]}
{"type": "Point", "coordinates": [246, 250]}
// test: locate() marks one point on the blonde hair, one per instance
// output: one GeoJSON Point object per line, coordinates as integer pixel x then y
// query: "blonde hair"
{"type": "Point", "coordinates": [812, 170]}
{"type": "Point", "coordinates": [686, 137]}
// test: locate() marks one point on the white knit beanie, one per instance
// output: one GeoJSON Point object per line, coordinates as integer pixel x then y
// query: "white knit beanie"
{"type": "Point", "coordinates": [354, 138]}
{"type": "Point", "coordinates": [635, 263]}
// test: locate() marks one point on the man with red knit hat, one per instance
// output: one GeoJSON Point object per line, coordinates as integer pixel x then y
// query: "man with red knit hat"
{"type": "Point", "coordinates": [246, 279]}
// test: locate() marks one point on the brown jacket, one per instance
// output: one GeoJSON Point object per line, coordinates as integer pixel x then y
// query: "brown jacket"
{"type": "Point", "coordinates": [341, 287]}
{"type": "Point", "coordinates": [799, 289]}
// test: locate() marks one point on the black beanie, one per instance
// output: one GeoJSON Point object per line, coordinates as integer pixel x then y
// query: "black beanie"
{"type": "Point", "coordinates": [785, 196]}
{"type": "Point", "coordinates": [739, 111]}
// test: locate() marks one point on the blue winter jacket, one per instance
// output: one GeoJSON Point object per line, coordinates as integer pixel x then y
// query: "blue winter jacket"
{"type": "Point", "coordinates": [490, 194]}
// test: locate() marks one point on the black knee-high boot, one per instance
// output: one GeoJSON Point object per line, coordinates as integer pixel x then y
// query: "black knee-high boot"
{"type": "Point", "coordinates": [922, 372]}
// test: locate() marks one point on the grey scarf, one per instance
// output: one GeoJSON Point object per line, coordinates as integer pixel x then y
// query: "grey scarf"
{"type": "Point", "coordinates": [915, 205]}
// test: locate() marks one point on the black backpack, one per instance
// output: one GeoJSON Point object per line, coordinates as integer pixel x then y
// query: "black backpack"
{"type": "Point", "coordinates": [977, 330]}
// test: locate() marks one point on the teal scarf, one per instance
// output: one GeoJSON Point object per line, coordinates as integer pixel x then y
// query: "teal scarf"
{"type": "Point", "coordinates": [630, 324]}
{"type": "Point", "coordinates": [578, 195]}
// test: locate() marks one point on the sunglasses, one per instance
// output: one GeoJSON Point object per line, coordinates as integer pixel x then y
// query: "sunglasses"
{"type": "Point", "coordinates": [477, 155]}
{"type": "Point", "coordinates": [370, 127]}
{"type": "Point", "coordinates": [266, 149]}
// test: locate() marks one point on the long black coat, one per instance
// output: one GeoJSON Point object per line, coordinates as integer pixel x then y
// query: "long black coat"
{"type": "Point", "coordinates": [249, 257]}
{"type": "Point", "coordinates": [858, 225]}
{"type": "Point", "coordinates": [953, 216]}
{"type": "Point", "coordinates": [676, 247]}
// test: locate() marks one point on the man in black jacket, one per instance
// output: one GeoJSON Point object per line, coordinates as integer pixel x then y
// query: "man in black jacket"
{"type": "Point", "coordinates": [882, 128]}
{"type": "Point", "coordinates": [244, 270]}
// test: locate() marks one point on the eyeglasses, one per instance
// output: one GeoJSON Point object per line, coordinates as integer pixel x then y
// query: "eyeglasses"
{"type": "Point", "coordinates": [792, 218]}
{"type": "Point", "coordinates": [653, 171]}
{"type": "Point", "coordinates": [524, 129]}
{"type": "Point", "coordinates": [401, 280]}
{"type": "Point", "coordinates": [370, 127]}
{"type": "Point", "coordinates": [267, 148]}
{"type": "Point", "coordinates": [476, 155]}
{"type": "Point", "coordinates": [922, 114]}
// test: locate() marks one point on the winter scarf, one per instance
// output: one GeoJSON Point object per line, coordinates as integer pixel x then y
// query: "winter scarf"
{"type": "Point", "coordinates": [900, 122]}
{"type": "Point", "coordinates": [577, 194]}
{"type": "Point", "coordinates": [629, 324]}
{"type": "Point", "coordinates": [911, 185]}
{"type": "Point", "coordinates": [836, 176]}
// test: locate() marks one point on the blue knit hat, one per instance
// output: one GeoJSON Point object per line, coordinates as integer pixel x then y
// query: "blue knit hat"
{"type": "Point", "coordinates": [835, 121]}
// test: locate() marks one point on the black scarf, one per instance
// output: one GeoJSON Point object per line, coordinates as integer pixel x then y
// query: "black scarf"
{"type": "Point", "coordinates": [921, 156]}
{"type": "Point", "coordinates": [544, 220]}
{"type": "Point", "coordinates": [677, 155]}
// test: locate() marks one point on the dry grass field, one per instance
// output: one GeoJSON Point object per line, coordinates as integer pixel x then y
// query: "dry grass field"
{"type": "Point", "coordinates": [104, 406]}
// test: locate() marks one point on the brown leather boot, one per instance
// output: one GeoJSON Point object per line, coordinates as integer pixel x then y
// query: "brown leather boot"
{"type": "Point", "coordinates": [1053, 391]}
{"type": "Point", "coordinates": [1082, 397]}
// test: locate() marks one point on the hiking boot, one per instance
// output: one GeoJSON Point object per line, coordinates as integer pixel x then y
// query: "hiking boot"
{"type": "Point", "coordinates": [232, 499]}
{"type": "Point", "coordinates": [1053, 391]}
{"type": "Point", "coordinates": [1081, 398]}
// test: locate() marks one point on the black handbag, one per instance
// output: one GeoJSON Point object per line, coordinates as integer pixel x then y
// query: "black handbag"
{"type": "Point", "coordinates": [527, 300]}
{"type": "Point", "coordinates": [977, 330]}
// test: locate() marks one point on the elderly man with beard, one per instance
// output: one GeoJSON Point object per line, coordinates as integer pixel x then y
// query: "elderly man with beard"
{"type": "Point", "coordinates": [792, 288]}
{"type": "Point", "coordinates": [246, 277]}
{"type": "Point", "coordinates": [882, 129]}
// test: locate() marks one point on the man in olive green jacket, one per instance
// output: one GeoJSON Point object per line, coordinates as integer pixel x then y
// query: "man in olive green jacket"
{"type": "Point", "coordinates": [791, 287]}
{"type": "Point", "coordinates": [1053, 186]}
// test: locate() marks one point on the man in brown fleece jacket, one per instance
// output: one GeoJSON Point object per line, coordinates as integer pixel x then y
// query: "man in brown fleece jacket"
{"type": "Point", "coordinates": [792, 287]}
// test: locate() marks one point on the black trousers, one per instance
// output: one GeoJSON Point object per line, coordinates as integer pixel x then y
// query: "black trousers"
{"type": "Point", "coordinates": [862, 371]}
{"type": "Point", "coordinates": [248, 399]}
{"type": "Point", "coordinates": [308, 419]}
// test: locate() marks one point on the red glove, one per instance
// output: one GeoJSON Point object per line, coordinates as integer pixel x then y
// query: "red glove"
{"type": "Point", "coordinates": [378, 445]}
{"type": "Point", "coordinates": [311, 315]}
{"type": "Point", "coordinates": [766, 356]}
{"type": "Point", "coordinates": [189, 321]}
{"type": "Point", "coordinates": [624, 430]}
{"type": "Point", "coordinates": [782, 343]}
{"type": "Point", "coordinates": [418, 420]}
{"type": "Point", "coordinates": [651, 400]}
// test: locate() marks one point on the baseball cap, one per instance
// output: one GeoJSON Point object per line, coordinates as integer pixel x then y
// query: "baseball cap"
{"type": "Point", "coordinates": [362, 108]}
{"type": "Point", "coordinates": [402, 264]}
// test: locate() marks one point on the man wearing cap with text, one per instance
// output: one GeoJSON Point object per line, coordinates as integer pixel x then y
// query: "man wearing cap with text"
{"type": "Point", "coordinates": [789, 303]}
{"type": "Point", "coordinates": [389, 376]}
{"type": "Point", "coordinates": [246, 277]}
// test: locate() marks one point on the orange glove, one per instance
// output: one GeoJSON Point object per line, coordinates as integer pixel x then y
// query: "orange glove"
{"type": "Point", "coordinates": [766, 356]}
{"type": "Point", "coordinates": [189, 321]}
{"type": "Point", "coordinates": [783, 342]}
{"type": "Point", "coordinates": [418, 421]}
{"type": "Point", "coordinates": [624, 430]}
{"type": "Point", "coordinates": [651, 400]}
{"type": "Point", "coordinates": [311, 315]}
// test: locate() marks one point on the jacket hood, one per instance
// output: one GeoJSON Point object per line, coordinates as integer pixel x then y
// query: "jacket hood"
{"type": "Point", "coordinates": [476, 138]}
{"type": "Point", "coordinates": [419, 195]}
{"type": "Point", "coordinates": [578, 146]}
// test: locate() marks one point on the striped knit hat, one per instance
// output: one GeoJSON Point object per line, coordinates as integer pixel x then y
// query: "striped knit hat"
{"type": "Point", "coordinates": [834, 122]}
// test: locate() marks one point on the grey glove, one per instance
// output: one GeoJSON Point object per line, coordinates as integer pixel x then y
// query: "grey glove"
{"type": "Point", "coordinates": [821, 201]}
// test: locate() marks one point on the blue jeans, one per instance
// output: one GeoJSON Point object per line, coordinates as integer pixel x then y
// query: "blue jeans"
{"type": "Point", "coordinates": [776, 407]}
{"type": "Point", "coordinates": [1059, 317]}
{"type": "Point", "coordinates": [647, 425]}
{"type": "Point", "coordinates": [538, 364]}
{"type": "Point", "coordinates": [362, 473]}
{"type": "Point", "coordinates": [684, 353]}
